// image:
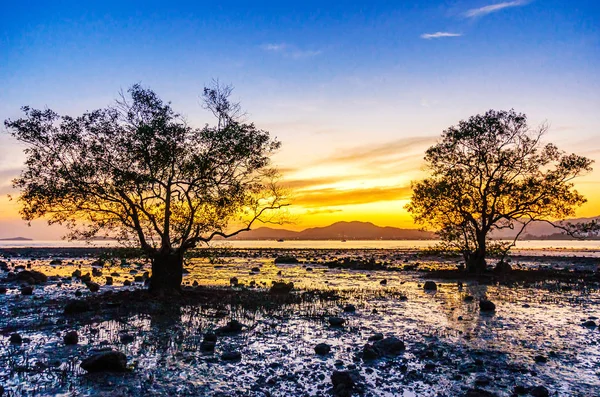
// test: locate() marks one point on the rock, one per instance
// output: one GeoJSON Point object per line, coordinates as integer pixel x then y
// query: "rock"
{"type": "Point", "coordinates": [336, 321]}
{"type": "Point", "coordinates": [383, 282]}
{"type": "Point", "coordinates": [208, 345]}
{"type": "Point", "coordinates": [390, 345]}
{"type": "Point", "coordinates": [232, 327]}
{"type": "Point", "coordinates": [589, 323]}
{"type": "Point", "coordinates": [75, 307]}
{"type": "Point", "coordinates": [93, 287]}
{"type": "Point", "coordinates": [487, 306]}
{"type": "Point", "coordinates": [540, 359]}
{"type": "Point", "coordinates": [126, 338]}
{"type": "Point", "coordinates": [126, 283]}
{"type": "Point", "coordinates": [109, 361]}
{"type": "Point", "coordinates": [233, 281]}
{"type": "Point", "coordinates": [502, 267]}
{"type": "Point", "coordinates": [210, 337]}
{"type": "Point", "coordinates": [469, 298]}
{"type": "Point", "coordinates": [96, 272]}
{"type": "Point", "coordinates": [71, 338]}
{"type": "Point", "coordinates": [109, 280]}
{"type": "Point", "coordinates": [479, 393]}
{"type": "Point", "coordinates": [520, 390]}
{"type": "Point", "coordinates": [231, 356]}
{"type": "Point", "coordinates": [255, 270]}
{"type": "Point", "coordinates": [482, 380]}
{"type": "Point", "coordinates": [377, 336]}
{"type": "Point", "coordinates": [76, 273]}
{"type": "Point", "coordinates": [344, 382]}
{"type": "Point", "coordinates": [15, 339]}
{"type": "Point", "coordinates": [281, 287]}
{"type": "Point", "coordinates": [539, 391]}
{"type": "Point", "coordinates": [322, 349]}
{"type": "Point", "coordinates": [370, 353]}
{"type": "Point", "coordinates": [430, 286]}
{"type": "Point", "coordinates": [286, 259]}
{"type": "Point", "coordinates": [27, 275]}
{"type": "Point", "coordinates": [349, 308]}
{"type": "Point", "coordinates": [27, 290]}
{"type": "Point", "coordinates": [55, 262]}
{"type": "Point", "coordinates": [3, 289]}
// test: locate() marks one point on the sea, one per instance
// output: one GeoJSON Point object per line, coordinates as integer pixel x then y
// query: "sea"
{"type": "Point", "coordinates": [533, 247]}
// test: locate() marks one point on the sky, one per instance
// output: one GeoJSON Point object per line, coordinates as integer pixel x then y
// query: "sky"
{"type": "Point", "coordinates": [355, 91]}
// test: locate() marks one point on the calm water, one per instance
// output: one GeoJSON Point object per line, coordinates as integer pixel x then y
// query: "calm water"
{"type": "Point", "coordinates": [543, 247]}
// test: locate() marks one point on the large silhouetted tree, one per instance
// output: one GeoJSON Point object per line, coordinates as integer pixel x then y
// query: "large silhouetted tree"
{"type": "Point", "coordinates": [137, 171]}
{"type": "Point", "coordinates": [492, 172]}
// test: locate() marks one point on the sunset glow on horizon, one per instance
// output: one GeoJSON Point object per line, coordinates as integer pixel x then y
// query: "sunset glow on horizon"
{"type": "Point", "coordinates": [355, 93]}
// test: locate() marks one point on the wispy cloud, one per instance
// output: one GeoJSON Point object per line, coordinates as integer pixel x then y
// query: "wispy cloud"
{"type": "Point", "coordinates": [439, 35]}
{"type": "Point", "coordinates": [334, 197]}
{"type": "Point", "coordinates": [481, 11]}
{"type": "Point", "coordinates": [289, 50]}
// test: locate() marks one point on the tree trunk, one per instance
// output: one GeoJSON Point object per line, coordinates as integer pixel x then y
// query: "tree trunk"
{"type": "Point", "coordinates": [476, 262]}
{"type": "Point", "coordinates": [167, 273]}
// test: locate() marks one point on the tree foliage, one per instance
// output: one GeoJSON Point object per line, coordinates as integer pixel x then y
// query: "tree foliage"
{"type": "Point", "coordinates": [138, 171]}
{"type": "Point", "coordinates": [492, 172]}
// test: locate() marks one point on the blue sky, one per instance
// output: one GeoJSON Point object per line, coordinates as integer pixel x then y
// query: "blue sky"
{"type": "Point", "coordinates": [328, 78]}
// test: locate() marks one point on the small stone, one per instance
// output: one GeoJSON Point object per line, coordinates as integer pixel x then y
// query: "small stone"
{"type": "Point", "coordinates": [71, 338]}
{"type": "Point", "coordinates": [589, 323]}
{"type": "Point", "coordinates": [210, 337]}
{"type": "Point", "coordinates": [27, 290]}
{"type": "Point", "coordinates": [15, 339]}
{"type": "Point", "coordinates": [349, 308]}
{"type": "Point", "coordinates": [322, 349]}
{"type": "Point", "coordinates": [75, 307]}
{"type": "Point", "coordinates": [208, 345]}
{"type": "Point", "coordinates": [540, 359]}
{"type": "Point", "coordinates": [126, 338]}
{"type": "Point", "coordinates": [487, 306]}
{"type": "Point", "coordinates": [231, 356]}
{"type": "Point", "coordinates": [93, 287]}
{"type": "Point", "coordinates": [383, 282]}
{"type": "Point", "coordinates": [430, 286]}
{"type": "Point", "coordinates": [539, 391]}
{"type": "Point", "coordinates": [110, 361]}
{"type": "Point", "coordinates": [336, 321]}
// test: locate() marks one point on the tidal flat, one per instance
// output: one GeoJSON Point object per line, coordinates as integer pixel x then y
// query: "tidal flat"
{"type": "Point", "coordinates": [355, 322]}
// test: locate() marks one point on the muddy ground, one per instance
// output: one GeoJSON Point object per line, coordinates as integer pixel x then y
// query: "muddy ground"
{"type": "Point", "coordinates": [541, 338]}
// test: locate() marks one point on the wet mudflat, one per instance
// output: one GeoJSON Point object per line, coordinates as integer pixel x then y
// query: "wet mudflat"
{"type": "Point", "coordinates": [228, 335]}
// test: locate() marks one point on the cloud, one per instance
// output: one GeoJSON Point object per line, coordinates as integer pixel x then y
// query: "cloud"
{"type": "Point", "coordinates": [334, 197]}
{"type": "Point", "coordinates": [379, 152]}
{"type": "Point", "coordinates": [274, 47]}
{"type": "Point", "coordinates": [481, 11]}
{"type": "Point", "coordinates": [438, 35]}
{"type": "Point", "coordinates": [323, 211]}
{"type": "Point", "coordinates": [290, 51]}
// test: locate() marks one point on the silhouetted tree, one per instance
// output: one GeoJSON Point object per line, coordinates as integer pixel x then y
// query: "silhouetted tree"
{"type": "Point", "coordinates": [137, 171]}
{"type": "Point", "coordinates": [492, 172]}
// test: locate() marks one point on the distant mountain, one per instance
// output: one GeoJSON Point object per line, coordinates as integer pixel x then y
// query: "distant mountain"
{"type": "Point", "coordinates": [16, 239]}
{"type": "Point", "coordinates": [338, 231]}
{"type": "Point", "coordinates": [541, 230]}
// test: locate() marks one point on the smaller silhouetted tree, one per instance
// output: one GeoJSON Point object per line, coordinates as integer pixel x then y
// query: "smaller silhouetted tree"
{"type": "Point", "coordinates": [492, 172]}
{"type": "Point", "coordinates": [138, 172]}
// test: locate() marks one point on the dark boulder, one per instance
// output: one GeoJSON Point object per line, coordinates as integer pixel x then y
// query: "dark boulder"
{"type": "Point", "coordinates": [539, 391]}
{"type": "Point", "coordinates": [75, 307]}
{"type": "Point", "coordinates": [28, 275]}
{"type": "Point", "coordinates": [375, 337]}
{"type": "Point", "coordinates": [344, 382]}
{"type": "Point", "coordinates": [208, 345]}
{"type": "Point", "coordinates": [105, 361]}
{"type": "Point", "coordinates": [336, 321]}
{"type": "Point", "coordinates": [487, 306]}
{"type": "Point", "coordinates": [281, 287]}
{"type": "Point", "coordinates": [27, 290]}
{"type": "Point", "coordinates": [322, 349]}
{"type": "Point", "coordinates": [286, 259]}
{"type": "Point", "coordinates": [349, 308]}
{"type": "Point", "coordinates": [479, 393]}
{"type": "Point", "coordinates": [71, 338]}
{"type": "Point", "coordinates": [93, 287]}
{"type": "Point", "coordinates": [430, 286]}
{"type": "Point", "coordinates": [15, 339]}
{"type": "Point", "coordinates": [390, 345]}
{"type": "Point", "coordinates": [232, 327]}
{"type": "Point", "coordinates": [231, 356]}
